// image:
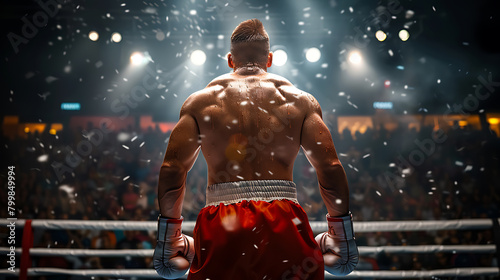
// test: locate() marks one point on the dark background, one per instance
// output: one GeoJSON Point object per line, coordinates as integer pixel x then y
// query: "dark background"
{"type": "Point", "coordinates": [451, 41]}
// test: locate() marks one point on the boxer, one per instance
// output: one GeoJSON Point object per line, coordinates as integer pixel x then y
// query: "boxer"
{"type": "Point", "coordinates": [250, 125]}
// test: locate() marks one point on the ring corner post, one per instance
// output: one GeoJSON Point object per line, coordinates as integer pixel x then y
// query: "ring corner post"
{"type": "Point", "coordinates": [27, 244]}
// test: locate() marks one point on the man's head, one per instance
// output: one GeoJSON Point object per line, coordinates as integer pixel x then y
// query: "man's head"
{"type": "Point", "coordinates": [250, 45]}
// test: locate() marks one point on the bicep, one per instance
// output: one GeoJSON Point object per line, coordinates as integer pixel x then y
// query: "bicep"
{"type": "Point", "coordinates": [317, 142]}
{"type": "Point", "coordinates": [183, 146]}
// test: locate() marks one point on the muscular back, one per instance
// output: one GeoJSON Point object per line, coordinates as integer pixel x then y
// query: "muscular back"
{"type": "Point", "coordinates": [249, 125]}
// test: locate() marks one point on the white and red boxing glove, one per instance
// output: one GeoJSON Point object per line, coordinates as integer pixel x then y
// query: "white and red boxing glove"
{"type": "Point", "coordinates": [338, 246]}
{"type": "Point", "coordinates": [174, 251]}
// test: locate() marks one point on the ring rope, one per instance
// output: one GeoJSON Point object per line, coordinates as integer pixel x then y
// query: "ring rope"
{"type": "Point", "coordinates": [379, 274]}
{"type": "Point", "coordinates": [363, 250]}
{"type": "Point", "coordinates": [188, 226]}
{"type": "Point", "coordinates": [316, 226]}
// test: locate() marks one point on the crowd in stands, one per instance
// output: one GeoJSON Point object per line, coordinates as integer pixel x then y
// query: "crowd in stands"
{"type": "Point", "coordinates": [391, 174]}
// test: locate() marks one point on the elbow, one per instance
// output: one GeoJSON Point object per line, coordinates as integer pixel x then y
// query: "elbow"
{"type": "Point", "coordinates": [332, 175]}
{"type": "Point", "coordinates": [172, 169]}
{"type": "Point", "coordinates": [331, 168]}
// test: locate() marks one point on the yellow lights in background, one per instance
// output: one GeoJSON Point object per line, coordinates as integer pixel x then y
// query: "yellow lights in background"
{"type": "Point", "coordinates": [355, 57]}
{"type": "Point", "coordinates": [116, 37]}
{"type": "Point", "coordinates": [404, 35]}
{"type": "Point", "coordinates": [380, 35]}
{"type": "Point", "coordinates": [493, 121]}
{"type": "Point", "coordinates": [462, 123]}
{"type": "Point", "coordinates": [313, 54]}
{"type": "Point", "coordinates": [137, 58]}
{"type": "Point", "coordinates": [198, 57]}
{"type": "Point", "coordinates": [279, 57]}
{"type": "Point", "coordinates": [40, 128]}
{"type": "Point", "coordinates": [93, 36]}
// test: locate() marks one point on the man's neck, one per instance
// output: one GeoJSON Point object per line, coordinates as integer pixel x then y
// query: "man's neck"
{"type": "Point", "coordinates": [250, 69]}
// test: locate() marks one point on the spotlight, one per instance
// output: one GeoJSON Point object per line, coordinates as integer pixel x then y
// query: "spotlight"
{"type": "Point", "coordinates": [355, 57]}
{"type": "Point", "coordinates": [93, 36]}
{"type": "Point", "coordinates": [387, 83]}
{"type": "Point", "coordinates": [279, 57]}
{"type": "Point", "coordinates": [404, 35]}
{"type": "Point", "coordinates": [116, 37]}
{"type": "Point", "coordinates": [198, 57]}
{"type": "Point", "coordinates": [380, 35]}
{"type": "Point", "coordinates": [137, 58]}
{"type": "Point", "coordinates": [313, 54]}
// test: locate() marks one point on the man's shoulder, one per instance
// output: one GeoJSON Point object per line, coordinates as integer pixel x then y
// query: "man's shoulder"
{"type": "Point", "coordinates": [278, 80]}
{"type": "Point", "coordinates": [221, 80]}
{"type": "Point", "coordinates": [287, 89]}
{"type": "Point", "coordinates": [201, 98]}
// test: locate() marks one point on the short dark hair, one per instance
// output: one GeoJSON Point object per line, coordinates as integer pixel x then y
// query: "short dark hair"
{"type": "Point", "coordinates": [250, 42]}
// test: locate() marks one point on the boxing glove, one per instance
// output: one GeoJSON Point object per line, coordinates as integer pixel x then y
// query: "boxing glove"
{"type": "Point", "coordinates": [174, 251]}
{"type": "Point", "coordinates": [338, 246]}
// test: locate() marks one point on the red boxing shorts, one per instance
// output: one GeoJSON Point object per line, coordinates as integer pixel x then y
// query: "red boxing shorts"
{"type": "Point", "coordinates": [254, 230]}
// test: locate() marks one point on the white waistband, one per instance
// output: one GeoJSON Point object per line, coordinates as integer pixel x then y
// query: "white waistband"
{"type": "Point", "coordinates": [257, 190]}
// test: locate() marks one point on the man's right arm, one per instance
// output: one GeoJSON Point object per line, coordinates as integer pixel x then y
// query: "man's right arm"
{"type": "Point", "coordinates": [317, 143]}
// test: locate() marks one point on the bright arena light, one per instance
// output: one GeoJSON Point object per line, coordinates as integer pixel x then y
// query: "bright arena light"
{"type": "Point", "coordinates": [116, 37]}
{"type": "Point", "coordinates": [355, 58]}
{"type": "Point", "coordinates": [93, 36]}
{"type": "Point", "coordinates": [313, 54]}
{"type": "Point", "coordinates": [404, 35]}
{"type": "Point", "coordinates": [198, 57]}
{"type": "Point", "coordinates": [279, 57]}
{"type": "Point", "coordinates": [380, 35]}
{"type": "Point", "coordinates": [137, 58]}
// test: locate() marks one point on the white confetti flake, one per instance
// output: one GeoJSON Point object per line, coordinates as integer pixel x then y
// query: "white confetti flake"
{"type": "Point", "coordinates": [126, 178]}
{"type": "Point", "coordinates": [296, 221]}
{"type": "Point", "coordinates": [125, 147]}
{"type": "Point", "coordinates": [378, 193]}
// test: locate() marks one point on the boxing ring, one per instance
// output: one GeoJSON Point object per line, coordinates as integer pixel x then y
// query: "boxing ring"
{"type": "Point", "coordinates": [26, 252]}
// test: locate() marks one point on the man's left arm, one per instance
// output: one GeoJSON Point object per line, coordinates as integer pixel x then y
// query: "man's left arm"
{"type": "Point", "coordinates": [174, 251]}
{"type": "Point", "coordinates": [182, 150]}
